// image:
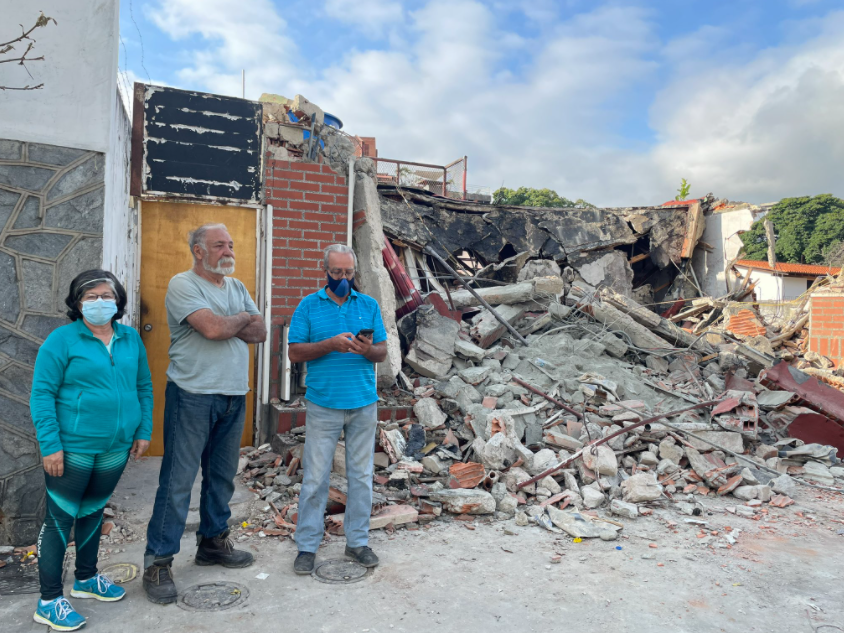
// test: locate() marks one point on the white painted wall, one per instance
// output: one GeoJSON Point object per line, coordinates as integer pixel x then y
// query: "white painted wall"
{"type": "Point", "coordinates": [720, 233]}
{"type": "Point", "coordinates": [774, 287]}
{"type": "Point", "coordinates": [793, 287]}
{"type": "Point", "coordinates": [79, 73]}
{"type": "Point", "coordinates": [768, 286]}
{"type": "Point", "coordinates": [120, 224]}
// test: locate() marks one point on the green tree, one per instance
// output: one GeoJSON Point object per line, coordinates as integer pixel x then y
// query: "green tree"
{"type": "Point", "coordinates": [806, 229]}
{"type": "Point", "coordinates": [683, 191]}
{"type": "Point", "coordinates": [529, 197]}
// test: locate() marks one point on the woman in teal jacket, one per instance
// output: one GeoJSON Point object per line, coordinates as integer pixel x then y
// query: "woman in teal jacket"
{"type": "Point", "coordinates": [92, 407]}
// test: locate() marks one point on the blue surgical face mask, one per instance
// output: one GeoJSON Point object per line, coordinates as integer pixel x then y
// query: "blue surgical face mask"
{"type": "Point", "coordinates": [99, 312]}
{"type": "Point", "coordinates": [340, 287]}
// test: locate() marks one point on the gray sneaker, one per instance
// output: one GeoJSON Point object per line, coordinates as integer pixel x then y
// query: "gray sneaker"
{"type": "Point", "coordinates": [364, 555]}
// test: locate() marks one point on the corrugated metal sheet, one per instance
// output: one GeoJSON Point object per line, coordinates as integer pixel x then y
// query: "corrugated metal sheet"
{"type": "Point", "coordinates": [200, 145]}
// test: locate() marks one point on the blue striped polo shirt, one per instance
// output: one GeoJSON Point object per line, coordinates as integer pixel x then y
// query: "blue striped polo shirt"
{"type": "Point", "coordinates": [338, 381]}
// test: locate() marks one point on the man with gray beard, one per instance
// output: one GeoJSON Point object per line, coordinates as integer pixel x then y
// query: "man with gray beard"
{"type": "Point", "coordinates": [212, 320]}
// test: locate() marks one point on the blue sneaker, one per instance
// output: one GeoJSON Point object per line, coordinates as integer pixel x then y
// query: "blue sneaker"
{"type": "Point", "coordinates": [99, 587]}
{"type": "Point", "coordinates": [59, 615]}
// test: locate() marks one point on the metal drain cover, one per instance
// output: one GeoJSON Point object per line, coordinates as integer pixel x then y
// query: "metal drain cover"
{"type": "Point", "coordinates": [340, 571]}
{"type": "Point", "coordinates": [213, 596]}
{"type": "Point", "coordinates": [121, 573]}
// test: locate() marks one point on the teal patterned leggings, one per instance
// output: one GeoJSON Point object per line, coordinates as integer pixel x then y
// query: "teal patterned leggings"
{"type": "Point", "coordinates": [79, 496]}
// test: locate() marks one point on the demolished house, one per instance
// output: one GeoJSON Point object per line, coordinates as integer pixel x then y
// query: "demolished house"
{"type": "Point", "coordinates": [563, 370]}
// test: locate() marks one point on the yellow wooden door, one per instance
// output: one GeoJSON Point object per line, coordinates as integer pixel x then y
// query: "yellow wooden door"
{"type": "Point", "coordinates": [164, 253]}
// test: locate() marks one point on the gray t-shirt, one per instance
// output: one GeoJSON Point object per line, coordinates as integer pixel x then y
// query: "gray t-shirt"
{"type": "Point", "coordinates": [198, 364]}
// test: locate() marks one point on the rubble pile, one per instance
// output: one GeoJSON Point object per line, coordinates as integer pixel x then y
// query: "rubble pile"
{"type": "Point", "coordinates": [607, 413]}
{"type": "Point", "coordinates": [296, 129]}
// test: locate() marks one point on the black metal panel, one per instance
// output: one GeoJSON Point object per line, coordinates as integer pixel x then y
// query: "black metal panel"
{"type": "Point", "coordinates": [198, 144]}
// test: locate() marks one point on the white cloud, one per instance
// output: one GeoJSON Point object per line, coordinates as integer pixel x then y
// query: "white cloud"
{"type": "Point", "coordinates": [371, 16]}
{"type": "Point", "coordinates": [247, 35]}
{"type": "Point", "coordinates": [546, 112]}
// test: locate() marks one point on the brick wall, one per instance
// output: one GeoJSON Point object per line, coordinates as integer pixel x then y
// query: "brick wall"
{"type": "Point", "coordinates": [288, 418]}
{"type": "Point", "coordinates": [826, 326]}
{"type": "Point", "coordinates": [310, 210]}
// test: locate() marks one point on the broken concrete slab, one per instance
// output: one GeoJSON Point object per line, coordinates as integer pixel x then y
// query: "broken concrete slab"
{"type": "Point", "coordinates": [624, 509]}
{"type": "Point", "coordinates": [539, 288]}
{"type": "Point", "coordinates": [469, 350]}
{"type": "Point", "coordinates": [726, 439]}
{"type": "Point", "coordinates": [601, 459]}
{"type": "Point", "coordinates": [486, 329]}
{"type": "Point", "coordinates": [579, 525]}
{"type": "Point", "coordinates": [462, 501]}
{"type": "Point", "coordinates": [640, 488]}
{"type": "Point", "coordinates": [428, 412]}
{"type": "Point", "coordinates": [432, 349]}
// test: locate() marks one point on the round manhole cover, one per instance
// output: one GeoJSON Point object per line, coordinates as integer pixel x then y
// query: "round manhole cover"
{"type": "Point", "coordinates": [213, 596]}
{"type": "Point", "coordinates": [340, 571]}
{"type": "Point", "coordinates": [121, 573]}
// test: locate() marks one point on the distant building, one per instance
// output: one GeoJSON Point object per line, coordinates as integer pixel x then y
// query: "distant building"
{"type": "Point", "coordinates": [786, 282]}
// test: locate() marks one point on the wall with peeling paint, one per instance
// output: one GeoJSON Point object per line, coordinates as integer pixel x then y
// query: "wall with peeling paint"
{"type": "Point", "coordinates": [121, 232]}
{"type": "Point", "coordinates": [200, 145]}
{"type": "Point", "coordinates": [79, 72]}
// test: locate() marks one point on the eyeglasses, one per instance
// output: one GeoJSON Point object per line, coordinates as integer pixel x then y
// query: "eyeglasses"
{"type": "Point", "coordinates": [106, 296]}
{"type": "Point", "coordinates": [340, 272]}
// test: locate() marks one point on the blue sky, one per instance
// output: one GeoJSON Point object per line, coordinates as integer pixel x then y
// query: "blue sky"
{"type": "Point", "coordinates": [612, 102]}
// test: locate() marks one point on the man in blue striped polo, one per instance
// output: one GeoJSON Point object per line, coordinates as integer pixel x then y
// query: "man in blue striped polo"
{"type": "Point", "coordinates": [339, 333]}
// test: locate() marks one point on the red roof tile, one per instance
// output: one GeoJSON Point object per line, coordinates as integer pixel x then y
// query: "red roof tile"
{"type": "Point", "coordinates": [790, 269]}
{"type": "Point", "coordinates": [745, 323]}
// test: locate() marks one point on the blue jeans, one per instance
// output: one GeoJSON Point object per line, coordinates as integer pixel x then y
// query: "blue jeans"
{"type": "Point", "coordinates": [322, 432]}
{"type": "Point", "coordinates": [199, 429]}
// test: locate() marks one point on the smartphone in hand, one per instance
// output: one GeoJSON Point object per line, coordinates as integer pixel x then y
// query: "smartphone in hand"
{"type": "Point", "coordinates": [366, 333]}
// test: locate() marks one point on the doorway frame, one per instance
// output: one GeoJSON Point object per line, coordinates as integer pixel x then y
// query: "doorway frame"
{"type": "Point", "coordinates": [263, 292]}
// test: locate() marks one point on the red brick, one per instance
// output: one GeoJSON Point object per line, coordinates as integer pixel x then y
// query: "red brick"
{"type": "Point", "coordinates": [286, 194]}
{"type": "Point", "coordinates": [334, 189]}
{"type": "Point", "coordinates": [318, 235]}
{"type": "Point", "coordinates": [318, 216]}
{"type": "Point", "coordinates": [322, 198]}
{"type": "Point", "coordinates": [306, 225]}
{"type": "Point", "coordinates": [289, 214]}
{"type": "Point", "coordinates": [323, 178]}
{"type": "Point", "coordinates": [332, 226]}
{"type": "Point", "coordinates": [385, 415]}
{"type": "Point", "coordinates": [288, 174]}
{"type": "Point", "coordinates": [339, 209]}
{"type": "Point", "coordinates": [301, 243]}
{"type": "Point", "coordinates": [304, 206]}
{"type": "Point", "coordinates": [303, 263]}
{"type": "Point", "coordinates": [286, 252]}
{"type": "Point", "coordinates": [814, 344]}
{"type": "Point", "coordinates": [301, 283]}
{"type": "Point", "coordinates": [306, 166]}
{"type": "Point", "coordinates": [295, 233]}
{"type": "Point", "coordinates": [823, 350]}
{"type": "Point", "coordinates": [286, 292]}
{"type": "Point", "coordinates": [305, 186]}
{"type": "Point", "coordinates": [313, 274]}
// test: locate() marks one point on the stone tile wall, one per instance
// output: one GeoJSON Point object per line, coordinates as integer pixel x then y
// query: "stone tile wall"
{"type": "Point", "coordinates": [51, 226]}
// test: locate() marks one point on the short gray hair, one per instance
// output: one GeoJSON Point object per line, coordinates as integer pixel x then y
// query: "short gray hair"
{"type": "Point", "coordinates": [343, 250]}
{"type": "Point", "coordinates": [197, 236]}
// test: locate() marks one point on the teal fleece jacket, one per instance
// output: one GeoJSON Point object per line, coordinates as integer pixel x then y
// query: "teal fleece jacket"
{"type": "Point", "coordinates": [85, 400]}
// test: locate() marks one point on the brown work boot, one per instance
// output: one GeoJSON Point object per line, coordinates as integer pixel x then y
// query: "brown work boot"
{"type": "Point", "coordinates": [159, 585]}
{"type": "Point", "coordinates": [219, 550]}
